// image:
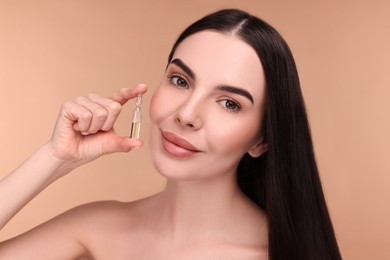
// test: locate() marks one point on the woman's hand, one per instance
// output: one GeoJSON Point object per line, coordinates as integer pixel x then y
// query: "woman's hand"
{"type": "Point", "coordinates": [83, 132]}
{"type": "Point", "coordinates": [85, 127]}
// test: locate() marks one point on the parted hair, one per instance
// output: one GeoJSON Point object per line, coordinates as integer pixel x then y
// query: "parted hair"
{"type": "Point", "coordinates": [284, 181]}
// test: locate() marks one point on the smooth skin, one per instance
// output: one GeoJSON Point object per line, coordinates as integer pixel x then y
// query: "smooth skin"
{"type": "Point", "coordinates": [201, 214]}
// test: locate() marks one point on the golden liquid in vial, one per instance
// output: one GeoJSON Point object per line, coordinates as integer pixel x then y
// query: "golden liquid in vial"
{"type": "Point", "coordinates": [135, 130]}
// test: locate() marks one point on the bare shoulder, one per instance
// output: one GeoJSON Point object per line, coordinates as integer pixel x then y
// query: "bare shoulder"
{"type": "Point", "coordinates": [74, 233]}
{"type": "Point", "coordinates": [104, 217]}
{"type": "Point", "coordinates": [102, 211]}
{"type": "Point", "coordinates": [98, 210]}
{"type": "Point", "coordinates": [109, 226]}
{"type": "Point", "coordinates": [62, 237]}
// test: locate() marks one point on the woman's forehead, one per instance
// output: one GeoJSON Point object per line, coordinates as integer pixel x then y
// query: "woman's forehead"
{"type": "Point", "coordinates": [221, 57]}
{"type": "Point", "coordinates": [222, 45]}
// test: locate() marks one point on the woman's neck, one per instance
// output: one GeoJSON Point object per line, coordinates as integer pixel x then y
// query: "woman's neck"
{"type": "Point", "coordinates": [194, 207]}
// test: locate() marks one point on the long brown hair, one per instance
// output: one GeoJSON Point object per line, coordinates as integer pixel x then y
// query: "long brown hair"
{"type": "Point", "coordinates": [284, 181]}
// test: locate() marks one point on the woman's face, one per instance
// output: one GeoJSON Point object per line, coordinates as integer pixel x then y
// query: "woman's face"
{"type": "Point", "coordinates": [207, 111]}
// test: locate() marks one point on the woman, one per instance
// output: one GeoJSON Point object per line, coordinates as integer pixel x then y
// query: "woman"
{"type": "Point", "coordinates": [229, 132]}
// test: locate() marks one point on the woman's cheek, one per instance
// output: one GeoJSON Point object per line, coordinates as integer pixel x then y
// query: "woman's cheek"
{"type": "Point", "coordinates": [158, 103]}
{"type": "Point", "coordinates": [152, 107]}
{"type": "Point", "coordinates": [165, 101]}
{"type": "Point", "coordinates": [238, 134]}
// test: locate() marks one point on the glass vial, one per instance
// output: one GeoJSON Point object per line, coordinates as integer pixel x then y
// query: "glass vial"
{"type": "Point", "coordinates": [136, 124]}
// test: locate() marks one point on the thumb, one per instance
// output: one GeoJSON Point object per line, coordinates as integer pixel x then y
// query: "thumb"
{"type": "Point", "coordinates": [121, 144]}
{"type": "Point", "coordinates": [124, 94]}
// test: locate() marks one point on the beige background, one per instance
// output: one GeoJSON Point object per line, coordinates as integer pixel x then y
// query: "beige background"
{"type": "Point", "coordinates": [51, 51]}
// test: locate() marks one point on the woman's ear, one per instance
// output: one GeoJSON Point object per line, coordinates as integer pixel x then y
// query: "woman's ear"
{"type": "Point", "coordinates": [258, 149]}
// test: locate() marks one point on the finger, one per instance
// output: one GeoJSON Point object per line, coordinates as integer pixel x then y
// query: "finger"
{"type": "Point", "coordinates": [125, 94]}
{"type": "Point", "coordinates": [121, 144]}
{"type": "Point", "coordinates": [97, 115]}
{"type": "Point", "coordinates": [79, 116]}
{"type": "Point", "coordinates": [112, 107]}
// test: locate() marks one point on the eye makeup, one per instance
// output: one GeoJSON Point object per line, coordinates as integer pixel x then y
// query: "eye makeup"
{"type": "Point", "coordinates": [230, 105]}
{"type": "Point", "coordinates": [178, 80]}
{"type": "Point", "coordinates": [136, 124]}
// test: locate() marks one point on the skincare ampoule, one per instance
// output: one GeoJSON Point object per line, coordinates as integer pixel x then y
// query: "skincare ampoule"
{"type": "Point", "coordinates": [136, 124]}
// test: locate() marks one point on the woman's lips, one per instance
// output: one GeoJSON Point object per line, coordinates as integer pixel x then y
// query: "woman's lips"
{"type": "Point", "coordinates": [177, 146]}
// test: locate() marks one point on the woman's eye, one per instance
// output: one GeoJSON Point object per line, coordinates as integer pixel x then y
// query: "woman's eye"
{"type": "Point", "coordinates": [230, 105]}
{"type": "Point", "coordinates": [178, 81]}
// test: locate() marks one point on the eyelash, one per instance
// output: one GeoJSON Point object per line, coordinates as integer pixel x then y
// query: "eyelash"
{"type": "Point", "coordinates": [230, 110]}
{"type": "Point", "coordinates": [173, 76]}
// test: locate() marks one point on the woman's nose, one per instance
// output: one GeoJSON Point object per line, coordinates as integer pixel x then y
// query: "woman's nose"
{"type": "Point", "coordinates": [188, 115]}
{"type": "Point", "coordinates": [193, 124]}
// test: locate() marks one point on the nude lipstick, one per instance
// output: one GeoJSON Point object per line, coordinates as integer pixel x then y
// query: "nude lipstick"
{"type": "Point", "coordinates": [177, 146]}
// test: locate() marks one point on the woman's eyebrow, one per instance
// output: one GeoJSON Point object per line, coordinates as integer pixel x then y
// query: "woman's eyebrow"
{"type": "Point", "coordinates": [184, 67]}
{"type": "Point", "coordinates": [236, 90]}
